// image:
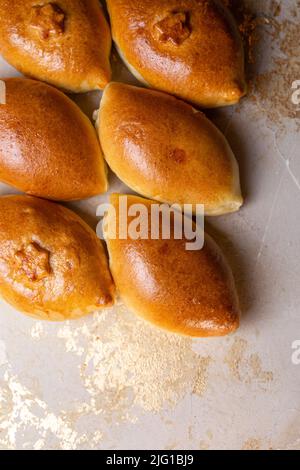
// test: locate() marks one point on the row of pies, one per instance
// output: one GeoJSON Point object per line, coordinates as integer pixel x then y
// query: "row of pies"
{"type": "Point", "coordinates": [50, 149]}
{"type": "Point", "coordinates": [52, 265]}
{"type": "Point", "coordinates": [189, 48]}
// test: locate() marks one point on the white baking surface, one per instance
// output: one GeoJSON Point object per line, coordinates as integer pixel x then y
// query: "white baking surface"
{"type": "Point", "coordinates": [111, 381]}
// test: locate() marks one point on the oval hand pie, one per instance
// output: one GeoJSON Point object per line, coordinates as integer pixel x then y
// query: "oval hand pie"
{"type": "Point", "coordinates": [187, 292]}
{"type": "Point", "coordinates": [48, 147]}
{"type": "Point", "coordinates": [165, 150]}
{"type": "Point", "coordinates": [52, 265]}
{"type": "Point", "coordinates": [188, 48]}
{"type": "Point", "coordinates": [66, 42]}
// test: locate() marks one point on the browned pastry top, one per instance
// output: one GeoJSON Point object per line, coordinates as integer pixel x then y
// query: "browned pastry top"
{"type": "Point", "coordinates": [48, 147]}
{"type": "Point", "coordinates": [52, 266]}
{"type": "Point", "coordinates": [65, 42]}
{"type": "Point", "coordinates": [160, 147]}
{"type": "Point", "coordinates": [187, 292]}
{"type": "Point", "coordinates": [190, 48]}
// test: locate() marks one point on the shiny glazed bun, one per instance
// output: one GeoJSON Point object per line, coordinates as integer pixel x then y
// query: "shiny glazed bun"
{"type": "Point", "coordinates": [189, 48]}
{"type": "Point", "coordinates": [52, 265]}
{"type": "Point", "coordinates": [187, 292]}
{"type": "Point", "coordinates": [66, 42]}
{"type": "Point", "coordinates": [165, 150]}
{"type": "Point", "coordinates": [48, 147]}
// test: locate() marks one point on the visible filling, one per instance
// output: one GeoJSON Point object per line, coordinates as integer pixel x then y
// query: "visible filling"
{"type": "Point", "coordinates": [174, 28]}
{"type": "Point", "coordinates": [33, 262]}
{"type": "Point", "coordinates": [178, 155]}
{"type": "Point", "coordinates": [48, 20]}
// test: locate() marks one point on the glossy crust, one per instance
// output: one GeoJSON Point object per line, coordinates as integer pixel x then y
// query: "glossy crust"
{"type": "Point", "coordinates": [161, 148]}
{"type": "Point", "coordinates": [52, 265]}
{"type": "Point", "coordinates": [187, 292]}
{"type": "Point", "coordinates": [189, 48]}
{"type": "Point", "coordinates": [65, 42]}
{"type": "Point", "coordinates": [48, 147]}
